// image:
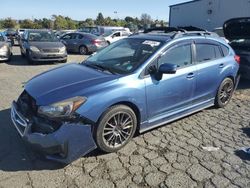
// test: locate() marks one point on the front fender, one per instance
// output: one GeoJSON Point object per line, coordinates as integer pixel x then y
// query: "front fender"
{"type": "Point", "coordinates": [97, 104]}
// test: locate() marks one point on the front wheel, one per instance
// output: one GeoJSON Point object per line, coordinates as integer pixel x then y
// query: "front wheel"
{"type": "Point", "coordinates": [115, 128]}
{"type": "Point", "coordinates": [224, 93]}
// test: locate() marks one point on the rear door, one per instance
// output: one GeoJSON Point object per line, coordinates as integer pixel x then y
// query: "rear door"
{"type": "Point", "coordinates": [210, 63]}
{"type": "Point", "coordinates": [173, 92]}
{"type": "Point", "coordinates": [69, 41]}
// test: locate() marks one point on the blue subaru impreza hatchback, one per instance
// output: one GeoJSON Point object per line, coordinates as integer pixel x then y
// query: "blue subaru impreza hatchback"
{"type": "Point", "coordinates": [137, 83]}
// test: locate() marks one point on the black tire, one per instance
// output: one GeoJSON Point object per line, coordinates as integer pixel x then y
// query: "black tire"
{"type": "Point", "coordinates": [22, 54]}
{"type": "Point", "coordinates": [83, 50]}
{"type": "Point", "coordinates": [28, 58]}
{"type": "Point", "coordinates": [120, 123]}
{"type": "Point", "coordinates": [64, 61]}
{"type": "Point", "coordinates": [224, 93]}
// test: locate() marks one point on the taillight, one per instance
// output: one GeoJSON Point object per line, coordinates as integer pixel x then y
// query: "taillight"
{"type": "Point", "coordinates": [96, 42]}
{"type": "Point", "coordinates": [237, 59]}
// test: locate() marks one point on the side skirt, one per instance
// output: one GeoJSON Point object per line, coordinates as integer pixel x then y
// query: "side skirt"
{"type": "Point", "coordinates": [178, 116]}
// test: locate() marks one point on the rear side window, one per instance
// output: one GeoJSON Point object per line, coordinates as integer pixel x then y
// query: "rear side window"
{"type": "Point", "coordinates": [80, 36]}
{"type": "Point", "coordinates": [207, 52]}
{"type": "Point", "coordinates": [225, 50]}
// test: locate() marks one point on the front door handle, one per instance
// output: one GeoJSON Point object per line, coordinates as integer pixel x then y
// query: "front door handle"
{"type": "Point", "coordinates": [221, 65]}
{"type": "Point", "coordinates": [190, 75]}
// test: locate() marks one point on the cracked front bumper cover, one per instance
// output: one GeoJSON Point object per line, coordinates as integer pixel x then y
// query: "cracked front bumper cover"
{"type": "Point", "coordinates": [65, 145]}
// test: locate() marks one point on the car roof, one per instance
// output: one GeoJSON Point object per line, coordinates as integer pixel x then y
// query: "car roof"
{"type": "Point", "coordinates": [156, 37]}
{"type": "Point", "coordinates": [82, 33]}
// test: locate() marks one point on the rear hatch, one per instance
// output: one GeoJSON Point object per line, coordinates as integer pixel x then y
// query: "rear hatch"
{"type": "Point", "coordinates": [237, 31]}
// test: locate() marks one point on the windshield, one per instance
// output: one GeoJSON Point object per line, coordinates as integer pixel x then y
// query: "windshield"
{"type": "Point", "coordinates": [42, 36]}
{"type": "Point", "coordinates": [124, 56]}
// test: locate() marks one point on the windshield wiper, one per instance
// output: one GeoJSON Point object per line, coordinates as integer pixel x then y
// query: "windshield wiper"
{"type": "Point", "coordinates": [99, 67]}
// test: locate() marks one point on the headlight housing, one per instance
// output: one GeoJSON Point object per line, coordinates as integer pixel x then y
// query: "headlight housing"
{"type": "Point", "coordinates": [62, 49]}
{"type": "Point", "coordinates": [34, 49]}
{"type": "Point", "coordinates": [62, 109]}
{"type": "Point", "coordinates": [4, 48]}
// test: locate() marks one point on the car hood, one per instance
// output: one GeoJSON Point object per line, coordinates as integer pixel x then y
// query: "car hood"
{"type": "Point", "coordinates": [47, 45]}
{"type": "Point", "coordinates": [65, 82]}
{"type": "Point", "coordinates": [237, 28]}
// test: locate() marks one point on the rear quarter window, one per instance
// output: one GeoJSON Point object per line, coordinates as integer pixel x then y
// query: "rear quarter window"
{"type": "Point", "coordinates": [225, 50]}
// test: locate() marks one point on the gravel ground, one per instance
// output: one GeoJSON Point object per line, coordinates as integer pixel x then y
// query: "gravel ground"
{"type": "Point", "coordinates": [175, 155]}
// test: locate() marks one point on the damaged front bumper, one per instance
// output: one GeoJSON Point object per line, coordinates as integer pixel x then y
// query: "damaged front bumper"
{"type": "Point", "coordinates": [68, 143]}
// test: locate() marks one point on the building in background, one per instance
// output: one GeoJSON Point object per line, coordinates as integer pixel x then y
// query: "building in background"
{"type": "Point", "coordinates": [207, 14]}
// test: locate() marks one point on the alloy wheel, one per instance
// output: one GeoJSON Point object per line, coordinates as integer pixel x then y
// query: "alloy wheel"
{"type": "Point", "coordinates": [226, 92]}
{"type": "Point", "coordinates": [118, 129]}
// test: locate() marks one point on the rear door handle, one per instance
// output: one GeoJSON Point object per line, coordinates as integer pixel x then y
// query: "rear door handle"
{"type": "Point", "coordinates": [190, 75]}
{"type": "Point", "coordinates": [221, 65]}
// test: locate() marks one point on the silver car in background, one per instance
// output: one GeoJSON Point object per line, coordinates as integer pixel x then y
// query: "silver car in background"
{"type": "Point", "coordinates": [5, 48]}
{"type": "Point", "coordinates": [42, 46]}
{"type": "Point", "coordinates": [83, 43]}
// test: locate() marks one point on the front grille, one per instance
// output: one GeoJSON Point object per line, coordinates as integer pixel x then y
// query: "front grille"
{"type": "Point", "coordinates": [27, 105]}
{"type": "Point", "coordinates": [50, 50]}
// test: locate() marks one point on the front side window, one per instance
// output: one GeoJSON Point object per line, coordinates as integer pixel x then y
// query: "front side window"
{"type": "Point", "coordinates": [124, 56]}
{"type": "Point", "coordinates": [118, 34]}
{"type": "Point", "coordinates": [180, 56]}
{"type": "Point", "coordinates": [66, 37]}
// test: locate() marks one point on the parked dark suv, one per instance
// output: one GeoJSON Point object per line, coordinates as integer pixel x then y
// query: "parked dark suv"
{"type": "Point", "coordinates": [41, 46]}
{"type": "Point", "coordinates": [237, 31]}
{"type": "Point", "coordinates": [137, 83]}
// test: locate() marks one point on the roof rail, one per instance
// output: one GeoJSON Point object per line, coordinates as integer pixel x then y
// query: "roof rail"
{"type": "Point", "coordinates": [163, 30]}
{"type": "Point", "coordinates": [193, 33]}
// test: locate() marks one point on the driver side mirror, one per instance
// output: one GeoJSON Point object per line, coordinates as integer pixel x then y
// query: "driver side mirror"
{"type": "Point", "coordinates": [167, 68]}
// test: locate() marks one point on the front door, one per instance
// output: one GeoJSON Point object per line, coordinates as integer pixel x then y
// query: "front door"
{"type": "Point", "coordinates": [173, 92]}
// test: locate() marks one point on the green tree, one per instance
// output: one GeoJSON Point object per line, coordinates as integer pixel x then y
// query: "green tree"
{"type": "Point", "coordinates": [146, 20]}
{"type": "Point", "coordinates": [129, 19]}
{"type": "Point", "coordinates": [100, 19]}
{"type": "Point", "coordinates": [1, 24]}
{"type": "Point", "coordinates": [46, 23]}
{"type": "Point", "coordinates": [9, 23]}
{"type": "Point", "coordinates": [60, 22]}
{"type": "Point", "coordinates": [27, 24]}
{"type": "Point", "coordinates": [71, 23]}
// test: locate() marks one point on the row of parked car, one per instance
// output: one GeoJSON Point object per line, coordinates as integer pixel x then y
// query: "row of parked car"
{"type": "Point", "coordinates": [46, 45]}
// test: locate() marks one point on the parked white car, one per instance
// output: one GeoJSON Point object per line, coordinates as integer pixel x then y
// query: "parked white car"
{"type": "Point", "coordinates": [111, 37]}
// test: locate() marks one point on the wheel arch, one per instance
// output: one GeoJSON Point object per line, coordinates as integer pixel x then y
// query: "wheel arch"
{"type": "Point", "coordinates": [131, 105]}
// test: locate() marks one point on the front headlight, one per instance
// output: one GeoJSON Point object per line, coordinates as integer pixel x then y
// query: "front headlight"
{"type": "Point", "coordinates": [62, 109]}
{"type": "Point", "coordinates": [63, 49]}
{"type": "Point", "coordinates": [4, 49]}
{"type": "Point", "coordinates": [34, 49]}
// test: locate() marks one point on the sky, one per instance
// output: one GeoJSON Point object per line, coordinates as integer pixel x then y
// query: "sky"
{"type": "Point", "coordinates": [82, 9]}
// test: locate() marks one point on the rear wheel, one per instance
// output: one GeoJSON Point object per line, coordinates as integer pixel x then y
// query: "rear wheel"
{"type": "Point", "coordinates": [83, 50]}
{"type": "Point", "coordinates": [115, 129]}
{"type": "Point", "coordinates": [224, 93]}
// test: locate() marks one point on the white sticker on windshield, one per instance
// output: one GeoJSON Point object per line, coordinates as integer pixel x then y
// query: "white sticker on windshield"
{"type": "Point", "coordinates": [151, 43]}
